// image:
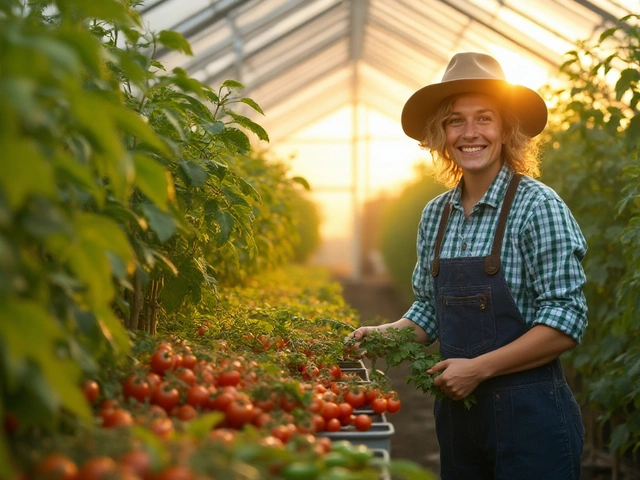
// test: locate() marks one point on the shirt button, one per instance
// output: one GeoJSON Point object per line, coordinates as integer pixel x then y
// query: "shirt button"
{"type": "Point", "coordinates": [464, 246]}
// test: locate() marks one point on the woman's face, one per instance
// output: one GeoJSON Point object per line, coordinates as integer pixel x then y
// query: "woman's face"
{"type": "Point", "coordinates": [475, 134]}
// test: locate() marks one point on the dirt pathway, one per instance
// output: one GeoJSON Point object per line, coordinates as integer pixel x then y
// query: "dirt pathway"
{"type": "Point", "coordinates": [414, 438]}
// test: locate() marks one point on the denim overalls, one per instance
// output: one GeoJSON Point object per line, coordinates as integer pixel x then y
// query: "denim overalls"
{"type": "Point", "coordinates": [525, 425]}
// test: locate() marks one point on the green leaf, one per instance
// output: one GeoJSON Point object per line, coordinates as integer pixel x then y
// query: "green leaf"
{"type": "Point", "coordinates": [201, 427]}
{"type": "Point", "coordinates": [25, 172]}
{"type": "Point", "coordinates": [214, 128]}
{"type": "Point", "coordinates": [235, 140]}
{"type": "Point", "coordinates": [232, 85]}
{"type": "Point", "coordinates": [620, 438]}
{"type": "Point", "coordinates": [175, 41]}
{"type": "Point", "coordinates": [302, 181]}
{"type": "Point", "coordinates": [217, 169]}
{"type": "Point", "coordinates": [18, 320]}
{"type": "Point", "coordinates": [252, 104]}
{"type": "Point", "coordinates": [160, 222]}
{"type": "Point", "coordinates": [628, 77]}
{"type": "Point", "coordinates": [152, 179]}
{"type": "Point", "coordinates": [104, 233]}
{"type": "Point", "coordinates": [196, 174]}
{"type": "Point", "coordinates": [110, 10]}
{"type": "Point", "coordinates": [632, 134]}
{"type": "Point", "coordinates": [226, 222]}
{"type": "Point", "coordinates": [251, 125]}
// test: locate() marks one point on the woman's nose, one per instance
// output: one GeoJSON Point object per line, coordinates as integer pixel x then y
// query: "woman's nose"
{"type": "Point", "coordinates": [469, 130]}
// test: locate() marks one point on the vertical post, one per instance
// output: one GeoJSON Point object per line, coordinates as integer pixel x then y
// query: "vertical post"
{"type": "Point", "coordinates": [358, 19]}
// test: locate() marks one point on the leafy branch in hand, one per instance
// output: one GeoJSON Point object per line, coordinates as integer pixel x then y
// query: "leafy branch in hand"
{"type": "Point", "coordinates": [396, 346]}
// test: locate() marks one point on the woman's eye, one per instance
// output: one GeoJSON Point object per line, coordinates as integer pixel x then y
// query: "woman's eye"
{"type": "Point", "coordinates": [454, 120]}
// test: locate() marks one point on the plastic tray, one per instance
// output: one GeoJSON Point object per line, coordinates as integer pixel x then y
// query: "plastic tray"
{"type": "Point", "coordinates": [379, 436]}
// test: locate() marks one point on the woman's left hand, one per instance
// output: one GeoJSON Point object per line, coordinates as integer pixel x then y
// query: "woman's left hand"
{"type": "Point", "coordinates": [459, 377]}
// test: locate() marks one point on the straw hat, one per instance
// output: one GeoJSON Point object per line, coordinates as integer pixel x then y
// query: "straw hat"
{"type": "Point", "coordinates": [471, 72]}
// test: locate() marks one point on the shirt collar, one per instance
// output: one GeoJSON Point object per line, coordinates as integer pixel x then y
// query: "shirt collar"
{"type": "Point", "coordinates": [494, 195]}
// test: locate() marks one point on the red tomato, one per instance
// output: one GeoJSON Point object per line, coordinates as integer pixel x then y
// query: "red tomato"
{"type": "Point", "coordinates": [393, 405]}
{"type": "Point", "coordinates": [229, 378]}
{"type": "Point", "coordinates": [262, 419]}
{"type": "Point", "coordinates": [98, 468]}
{"type": "Point", "coordinates": [330, 410]}
{"type": "Point", "coordinates": [319, 422]}
{"type": "Point", "coordinates": [202, 330]}
{"type": "Point", "coordinates": [116, 417]}
{"type": "Point", "coordinates": [138, 461]}
{"type": "Point", "coordinates": [379, 405]}
{"type": "Point", "coordinates": [136, 386]}
{"type": "Point", "coordinates": [371, 394]}
{"type": "Point", "coordinates": [186, 412]}
{"type": "Point", "coordinates": [335, 371]}
{"type": "Point", "coordinates": [162, 427]}
{"type": "Point", "coordinates": [363, 422]}
{"type": "Point", "coordinates": [198, 396]}
{"type": "Point", "coordinates": [221, 401]}
{"type": "Point", "coordinates": [282, 433]}
{"type": "Point", "coordinates": [189, 360]}
{"type": "Point", "coordinates": [162, 360]}
{"type": "Point", "coordinates": [332, 425]}
{"type": "Point", "coordinates": [316, 405]}
{"type": "Point", "coordinates": [166, 396]}
{"type": "Point", "coordinates": [186, 375]}
{"type": "Point", "coordinates": [91, 390]}
{"type": "Point", "coordinates": [153, 379]}
{"type": "Point", "coordinates": [355, 397]}
{"type": "Point", "coordinates": [346, 410]}
{"type": "Point", "coordinates": [239, 413]}
{"type": "Point", "coordinates": [56, 465]}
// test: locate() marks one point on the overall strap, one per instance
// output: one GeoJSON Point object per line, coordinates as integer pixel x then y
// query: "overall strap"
{"type": "Point", "coordinates": [492, 261]}
{"type": "Point", "coordinates": [435, 264]}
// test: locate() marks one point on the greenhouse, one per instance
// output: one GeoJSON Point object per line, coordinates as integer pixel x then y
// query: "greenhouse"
{"type": "Point", "coordinates": [209, 213]}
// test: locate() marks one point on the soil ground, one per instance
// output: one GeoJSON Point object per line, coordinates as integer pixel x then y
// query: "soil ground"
{"type": "Point", "coordinates": [377, 301]}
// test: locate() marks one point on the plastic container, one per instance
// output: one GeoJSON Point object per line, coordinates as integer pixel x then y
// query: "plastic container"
{"type": "Point", "coordinates": [382, 457]}
{"type": "Point", "coordinates": [351, 364]}
{"type": "Point", "coordinates": [379, 436]}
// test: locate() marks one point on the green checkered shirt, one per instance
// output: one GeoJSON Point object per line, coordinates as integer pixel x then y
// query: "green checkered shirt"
{"type": "Point", "coordinates": [541, 253]}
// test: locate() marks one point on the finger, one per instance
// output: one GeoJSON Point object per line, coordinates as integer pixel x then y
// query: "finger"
{"type": "Point", "coordinates": [438, 367]}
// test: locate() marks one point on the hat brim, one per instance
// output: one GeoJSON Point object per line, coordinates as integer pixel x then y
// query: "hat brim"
{"type": "Point", "coordinates": [526, 104]}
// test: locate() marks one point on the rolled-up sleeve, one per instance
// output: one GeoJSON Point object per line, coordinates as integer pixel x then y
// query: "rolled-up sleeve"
{"type": "Point", "coordinates": [553, 249]}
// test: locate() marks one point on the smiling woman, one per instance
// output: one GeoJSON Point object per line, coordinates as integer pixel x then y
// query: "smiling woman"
{"type": "Point", "coordinates": [498, 280]}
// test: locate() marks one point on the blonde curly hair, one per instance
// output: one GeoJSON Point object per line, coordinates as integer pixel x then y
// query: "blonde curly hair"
{"type": "Point", "coordinates": [520, 152]}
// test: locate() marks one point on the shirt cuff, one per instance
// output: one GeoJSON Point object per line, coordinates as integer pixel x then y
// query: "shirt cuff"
{"type": "Point", "coordinates": [422, 316]}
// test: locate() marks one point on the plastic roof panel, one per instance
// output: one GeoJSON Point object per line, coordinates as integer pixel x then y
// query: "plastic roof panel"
{"type": "Point", "coordinates": [302, 58]}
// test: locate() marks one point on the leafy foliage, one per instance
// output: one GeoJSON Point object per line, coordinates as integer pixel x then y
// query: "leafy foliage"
{"type": "Point", "coordinates": [397, 346]}
{"type": "Point", "coordinates": [126, 193]}
{"type": "Point", "coordinates": [591, 160]}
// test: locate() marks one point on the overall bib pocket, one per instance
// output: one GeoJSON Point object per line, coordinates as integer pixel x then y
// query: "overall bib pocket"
{"type": "Point", "coordinates": [468, 326]}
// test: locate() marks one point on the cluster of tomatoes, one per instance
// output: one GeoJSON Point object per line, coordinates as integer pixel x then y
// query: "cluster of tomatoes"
{"type": "Point", "coordinates": [173, 386]}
